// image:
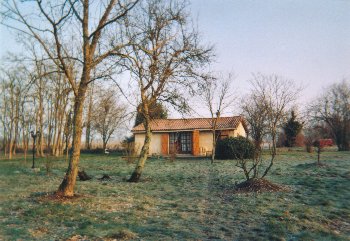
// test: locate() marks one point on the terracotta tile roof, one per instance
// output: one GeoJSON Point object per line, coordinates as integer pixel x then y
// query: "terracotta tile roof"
{"type": "Point", "coordinates": [191, 124]}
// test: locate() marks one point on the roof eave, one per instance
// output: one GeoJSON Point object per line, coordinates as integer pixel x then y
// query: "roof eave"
{"type": "Point", "coordinates": [181, 130]}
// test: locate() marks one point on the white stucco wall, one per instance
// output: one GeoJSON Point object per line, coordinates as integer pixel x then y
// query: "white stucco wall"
{"type": "Point", "coordinates": [155, 146]}
{"type": "Point", "coordinates": [240, 131]}
{"type": "Point", "coordinates": [205, 141]}
{"type": "Point", "coordinates": [139, 139]}
{"type": "Point", "coordinates": [231, 133]}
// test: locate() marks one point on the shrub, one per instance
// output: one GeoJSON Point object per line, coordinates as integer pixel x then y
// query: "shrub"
{"type": "Point", "coordinates": [234, 148]}
{"type": "Point", "coordinates": [129, 148]}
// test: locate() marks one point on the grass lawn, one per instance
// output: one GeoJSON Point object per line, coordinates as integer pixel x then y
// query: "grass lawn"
{"type": "Point", "coordinates": [185, 199]}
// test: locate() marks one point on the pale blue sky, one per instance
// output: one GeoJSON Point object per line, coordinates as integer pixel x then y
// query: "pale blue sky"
{"type": "Point", "coordinates": [304, 40]}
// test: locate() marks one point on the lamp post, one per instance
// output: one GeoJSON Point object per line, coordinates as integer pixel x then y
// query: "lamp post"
{"type": "Point", "coordinates": [34, 136]}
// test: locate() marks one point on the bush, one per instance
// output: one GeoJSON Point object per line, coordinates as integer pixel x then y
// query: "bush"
{"type": "Point", "coordinates": [129, 149]}
{"type": "Point", "coordinates": [234, 148]}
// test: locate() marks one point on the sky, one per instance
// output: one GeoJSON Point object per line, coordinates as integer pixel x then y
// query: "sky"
{"type": "Point", "coordinates": [307, 41]}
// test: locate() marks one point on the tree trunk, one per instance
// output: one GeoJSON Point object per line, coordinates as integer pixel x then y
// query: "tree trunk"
{"type": "Point", "coordinates": [5, 149]}
{"type": "Point", "coordinates": [104, 145]}
{"type": "Point", "coordinates": [273, 154]}
{"type": "Point", "coordinates": [4, 123]}
{"type": "Point", "coordinates": [88, 120]}
{"type": "Point", "coordinates": [10, 142]}
{"type": "Point", "coordinates": [40, 143]}
{"type": "Point", "coordinates": [59, 133]}
{"type": "Point", "coordinates": [345, 135]}
{"type": "Point", "coordinates": [215, 138]}
{"type": "Point", "coordinates": [4, 137]}
{"type": "Point", "coordinates": [49, 124]}
{"type": "Point", "coordinates": [10, 135]}
{"type": "Point", "coordinates": [15, 139]}
{"type": "Point", "coordinates": [214, 147]}
{"type": "Point", "coordinates": [67, 147]}
{"type": "Point", "coordinates": [25, 148]}
{"type": "Point", "coordinates": [55, 125]}
{"type": "Point", "coordinates": [24, 141]}
{"type": "Point", "coordinates": [10, 146]}
{"type": "Point", "coordinates": [136, 175]}
{"type": "Point", "coordinates": [67, 186]}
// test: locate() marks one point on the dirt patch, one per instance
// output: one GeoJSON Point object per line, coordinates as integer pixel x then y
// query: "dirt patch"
{"type": "Point", "coordinates": [259, 185]}
{"type": "Point", "coordinates": [253, 186]}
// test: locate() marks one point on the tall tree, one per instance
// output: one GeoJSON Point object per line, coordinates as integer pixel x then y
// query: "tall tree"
{"type": "Point", "coordinates": [39, 97]}
{"type": "Point", "coordinates": [333, 108]}
{"type": "Point", "coordinates": [56, 26]}
{"type": "Point", "coordinates": [163, 60]}
{"type": "Point", "coordinates": [156, 111]}
{"type": "Point", "coordinates": [291, 129]}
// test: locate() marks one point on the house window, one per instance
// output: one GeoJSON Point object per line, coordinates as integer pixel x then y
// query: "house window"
{"type": "Point", "coordinates": [186, 142]}
{"type": "Point", "coordinates": [180, 142]}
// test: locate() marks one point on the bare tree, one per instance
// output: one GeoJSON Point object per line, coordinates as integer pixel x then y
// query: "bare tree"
{"type": "Point", "coordinates": [333, 108]}
{"type": "Point", "coordinates": [14, 87]}
{"type": "Point", "coordinates": [39, 97]}
{"type": "Point", "coordinates": [265, 109]}
{"type": "Point", "coordinates": [215, 92]}
{"type": "Point", "coordinates": [56, 27]}
{"type": "Point", "coordinates": [21, 84]}
{"type": "Point", "coordinates": [108, 115]}
{"type": "Point", "coordinates": [254, 111]}
{"type": "Point", "coordinates": [27, 121]}
{"type": "Point", "coordinates": [163, 60]}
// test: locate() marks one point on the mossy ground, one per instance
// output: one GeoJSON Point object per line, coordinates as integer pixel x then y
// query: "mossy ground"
{"type": "Point", "coordinates": [185, 199]}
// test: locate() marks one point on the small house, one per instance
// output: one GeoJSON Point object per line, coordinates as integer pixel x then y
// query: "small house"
{"type": "Point", "coordinates": [187, 136]}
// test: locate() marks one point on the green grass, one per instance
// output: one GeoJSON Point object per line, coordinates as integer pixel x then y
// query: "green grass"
{"type": "Point", "coordinates": [186, 199]}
